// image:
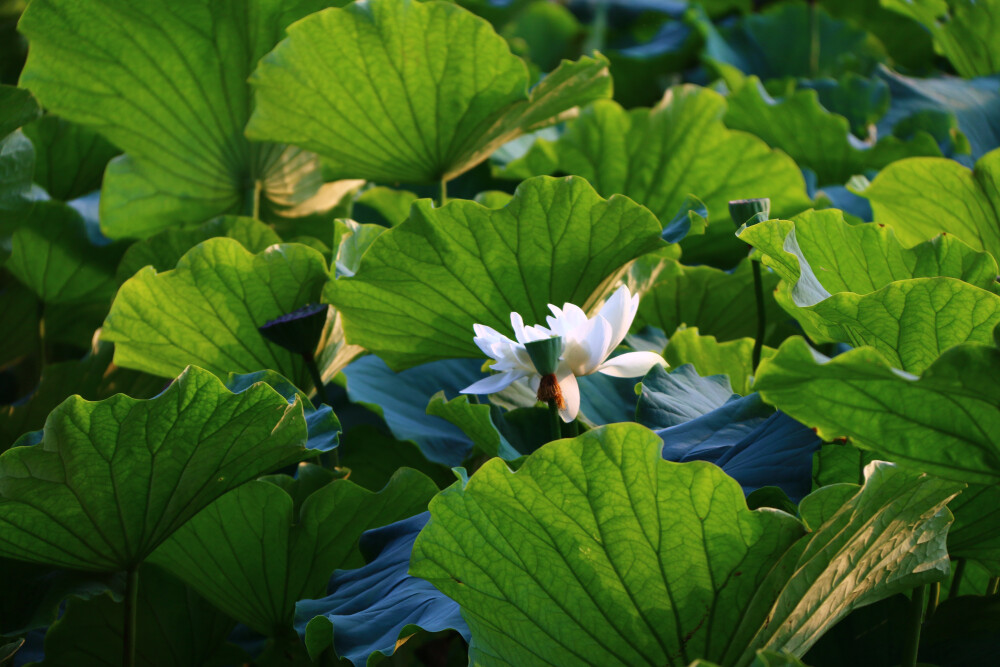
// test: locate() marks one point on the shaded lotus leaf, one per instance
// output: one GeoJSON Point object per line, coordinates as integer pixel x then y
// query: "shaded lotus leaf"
{"type": "Point", "coordinates": [253, 555]}
{"type": "Point", "coordinates": [401, 399]}
{"type": "Point", "coordinates": [698, 421]}
{"type": "Point", "coordinates": [777, 43]}
{"type": "Point", "coordinates": [372, 608]}
{"type": "Point", "coordinates": [974, 105]}
{"type": "Point", "coordinates": [964, 32]}
{"type": "Point", "coordinates": [174, 626]}
{"type": "Point", "coordinates": [69, 158]}
{"type": "Point", "coordinates": [814, 137]}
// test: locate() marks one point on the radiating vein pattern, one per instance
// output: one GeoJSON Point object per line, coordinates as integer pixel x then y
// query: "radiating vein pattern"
{"type": "Point", "coordinates": [207, 310]}
{"type": "Point", "coordinates": [423, 284]}
{"type": "Point", "coordinates": [165, 81]}
{"type": "Point", "coordinates": [110, 480]}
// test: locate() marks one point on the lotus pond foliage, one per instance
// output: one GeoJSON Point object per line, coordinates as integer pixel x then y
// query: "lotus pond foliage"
{"type": "Point", "coordinates": [499, 333]}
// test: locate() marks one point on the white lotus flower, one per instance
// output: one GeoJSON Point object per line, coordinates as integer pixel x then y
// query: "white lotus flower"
{"type": "Point", "coordinates": [587, 344]}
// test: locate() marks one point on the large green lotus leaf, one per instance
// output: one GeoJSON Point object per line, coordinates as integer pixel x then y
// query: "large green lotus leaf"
{"type": "Point", "coordinates": [52, 254]}
{"type": "Point", "coordinates": [162, 251]}
{"type": "Point", "coordinates": [602, 553]}
{"type": "Point", "coordinates": [399, 90]}
{"type": "Point", "coordinates": [944, 422]}
{"type": "Point", "coordinates": [94, 377]}
{"type": "Point", "coordinates": [718, 303]}
{"type": "Point", "coordinates": [206, 311]}
{"type": "Point", "coordinates": [964, 31]}
{"type": "Point", "coordinates": [911, 322]}
{"type": "Point", "coordinates": [174, 626]}
{"type": "Point", "coordinates": [841, 257]}
{"type": "Point", "coordinates": [976, 533]}
{"type": "Point", "coordinates": [253, 556]}
{"type": "Point", "coordinates": [732, 358]}
{"type": "Point", "coordinates": [109, 481]}
{"type": "Point", "coordinates": [814, 137]}
{"type": "Point", "coordinates": [166, 81]}
{"type": "Point", "coordinates": [660, 156]}
{"type": "Point", "coordinates": [923, 197]}
{"type": "Point", "coordinates": [858, 284]}
{"type": "Point", "coordinates": [424, 283]}
{"type": "Point", "coordinates": [69, 158]}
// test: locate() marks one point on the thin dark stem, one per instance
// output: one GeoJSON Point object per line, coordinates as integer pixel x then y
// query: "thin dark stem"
{"type": "Point", "coordinates": [555, 422]}
{"type": "Point", "coordinates": [934, 596]}
{"type": "Point", "coordinates": [321, 397]}
{"type": "Point", "coordinates": [915, 617]}
{"type": "Point", "coordinates": [994, 586]}
{"type": "Point", "coordinates": [251, 205]}
{"type": "Point", "coordinates": [129, 639]}
{"type": "Point", "coordinates": [316, 378]}
{"type": "Point", "coordinates": [956, 579]}
{"type": "Point", "coordinates": [758, 288]}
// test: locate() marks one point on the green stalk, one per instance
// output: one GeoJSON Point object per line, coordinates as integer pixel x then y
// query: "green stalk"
{"type": "Point", "coordinates": [555, 423]}
{"type": "Point", "coordinates": [956, 580]}
{"type": "Point", "coordinates": [994, 586]}
{"type": "Point", "coordinates": [131, 614]}
{"type": "Point", "coordinates": [251, 206]}
{"type": "Point", "coordinates": [758, 288]}
{"type": "Point", "coordinates": [321, 397]}
{"type": "Point", "coordinates": [915, 616]}
{"type": "Point", "coordinates": [933, 599]}
{"type": "Point", "coordinates": [443, 198]}
{"type": "Point", "coordinates": [572, 429]}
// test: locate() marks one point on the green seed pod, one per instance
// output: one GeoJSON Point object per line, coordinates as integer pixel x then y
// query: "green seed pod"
{"type": "Point", "coordinates": [545, 354]}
